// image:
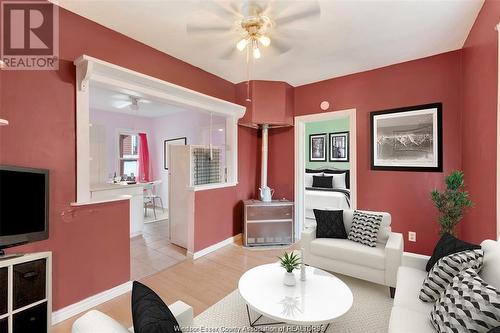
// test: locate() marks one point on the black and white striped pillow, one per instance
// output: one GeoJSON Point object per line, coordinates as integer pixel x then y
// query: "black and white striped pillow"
{"type": "Point", "coordinates": [364, 228]}
{"type": "Point", "coordinates": [443, 272]}
{"type": "Point", "coordinates": [468, 304]}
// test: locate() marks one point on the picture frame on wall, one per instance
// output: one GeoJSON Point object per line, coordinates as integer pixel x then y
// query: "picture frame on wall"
{"type": "Point", "coordinates": [166, 143]}
{"type": "Point", "coordinates": [407, 139]}
{"type": "Point", "coordinates": [339, 147]}
{"type": "Point", "coordinates": [317, 147]}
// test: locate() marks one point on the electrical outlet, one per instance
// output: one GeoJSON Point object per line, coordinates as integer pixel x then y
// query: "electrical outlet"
{"type": "Point", "coordinates": [412, 236]}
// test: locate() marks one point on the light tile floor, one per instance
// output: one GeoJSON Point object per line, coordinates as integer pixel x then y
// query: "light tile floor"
{"type": "Point", "coordinates": [152, 251]}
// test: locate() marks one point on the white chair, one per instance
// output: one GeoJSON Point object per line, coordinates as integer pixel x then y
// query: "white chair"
{"type": "Point", "coordinates": [97, 322]}
{"type": "Point", "coordinates": [375, 264]}
{"type": "Point", "coordinates": [150, 197]}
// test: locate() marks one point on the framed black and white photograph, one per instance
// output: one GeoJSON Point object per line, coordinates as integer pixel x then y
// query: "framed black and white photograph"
{"type": "Point", "coordinates": [166, 143]}
{"type": "Point", "coordinates": [339, 147]}
{"type": "Point", "coordinates": [317, 147]}
{"type": "Point", "coordinates": [407, 139]}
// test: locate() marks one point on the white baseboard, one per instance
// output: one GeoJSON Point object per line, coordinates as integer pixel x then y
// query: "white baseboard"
{"type": "Point", "coordinates": [215, 247]}
{"type": "Point", "coordinates": [88, 303]}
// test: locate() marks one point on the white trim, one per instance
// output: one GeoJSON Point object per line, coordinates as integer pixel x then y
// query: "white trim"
{"type": "Point", "coordinates": [498, 136]}
{"type": "Point", "coordinates": [212, 186]}
{"type": "Point", "coordinates": [215, 247]}
{"type": "Point", "coordinates": [92, 71]}
{"type": "Point", "coordinates": [300, 131]}
{"type": "Point", "coordinates": [99, 201]}
{"type": "Point", "coordinates": [90, 302]}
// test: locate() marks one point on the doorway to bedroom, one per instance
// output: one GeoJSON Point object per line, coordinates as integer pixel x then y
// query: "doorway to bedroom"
{"type": "Point", "coordinates": [325, 167]}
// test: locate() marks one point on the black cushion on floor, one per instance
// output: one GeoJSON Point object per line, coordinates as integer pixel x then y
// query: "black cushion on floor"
{"type": "Point", "coordinates": [448, 244]}
{"type": "Point", "coordinates": [323, 181]}
{"type": "Point", "coordinates": [330, 224]}
{"type": "Point", "coordinates": [149, 313]}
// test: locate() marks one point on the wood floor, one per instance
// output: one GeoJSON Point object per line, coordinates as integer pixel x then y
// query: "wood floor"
{"type": "Point", "coordinates": [199, 283]}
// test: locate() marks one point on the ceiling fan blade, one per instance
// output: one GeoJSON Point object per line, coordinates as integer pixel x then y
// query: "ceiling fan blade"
{"type": "Point", "coordinates": [280, 45]}
{"type": "Point", "coordinates": [121, 104]}
{"type": "Point", "coordinates": [314, 11]}
{"type": "Point", "coordinates": [229, 54]}
{"type": "Point", "coordinates": [195, 28]}
{"type": "Point", "coordinates": [228, 12]}
{"type": "Point", "coordinates": [145, 101]}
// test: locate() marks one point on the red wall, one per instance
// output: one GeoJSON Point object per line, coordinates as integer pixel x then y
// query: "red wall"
{"type": "Point", "coordinates": [219, 212]}
{"type": "Point", "coordinates": [91, 250]}
{"type": "Point", "coordinates": [404, 194]}
{"type": "Point", "coordinates": [480, 57]}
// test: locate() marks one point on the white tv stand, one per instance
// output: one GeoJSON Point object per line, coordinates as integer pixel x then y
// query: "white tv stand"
{"type": "Point", "coordinates": [26, 293]}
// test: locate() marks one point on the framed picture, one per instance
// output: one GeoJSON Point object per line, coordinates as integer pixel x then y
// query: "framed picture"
{"type": "Point", "coordinates": [166, 143]}
{"type": "Point", "coordinates": [407, 139]}
{"type": "Point", "coordinates": [317, 147]}
{"type": "Point", "coordinates": [339, 147]}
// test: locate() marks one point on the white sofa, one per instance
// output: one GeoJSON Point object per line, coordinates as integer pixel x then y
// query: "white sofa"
{"type": "Point", "coordinates": [376, 264]}
{"type": "Point", "coordinates": [97, 322]}
{"type": "Point", "coordinates": [411, 315]}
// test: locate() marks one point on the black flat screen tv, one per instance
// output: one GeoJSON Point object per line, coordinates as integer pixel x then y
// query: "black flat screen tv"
{"type": "Point", "coordinates": [24, 205]}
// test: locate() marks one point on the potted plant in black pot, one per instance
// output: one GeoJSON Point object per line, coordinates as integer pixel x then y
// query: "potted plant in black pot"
{"type": "Point", "coordinates": [452, 202]}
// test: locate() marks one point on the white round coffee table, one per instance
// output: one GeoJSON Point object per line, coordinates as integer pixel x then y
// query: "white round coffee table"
{"type": "Point", "coordinates": [317, 301]}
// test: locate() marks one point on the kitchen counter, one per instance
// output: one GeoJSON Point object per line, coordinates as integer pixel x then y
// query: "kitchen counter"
{"type": "Point", "coordinates": [109, 186]}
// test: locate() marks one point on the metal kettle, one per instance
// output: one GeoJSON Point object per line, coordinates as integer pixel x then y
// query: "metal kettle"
{"type": "Point", "coordinates": [266, 194]}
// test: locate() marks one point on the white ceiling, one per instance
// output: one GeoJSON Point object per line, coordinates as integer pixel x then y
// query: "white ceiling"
{"type": "Point", "coordinates": [103, 99]}
{"type": "Point", "coordinates": [350, 36]}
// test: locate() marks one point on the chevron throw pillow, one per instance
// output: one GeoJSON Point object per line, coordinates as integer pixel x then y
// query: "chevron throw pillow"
{"type": "Point", "coordinates": [365, 228]}
{"type": "Point", "coordinates": [443, 272]}
{"type": "Point", "coordinates": [468, 304]}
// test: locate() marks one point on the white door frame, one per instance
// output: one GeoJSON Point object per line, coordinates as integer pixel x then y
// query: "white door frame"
{"type": "Point", "coordinates": [300, 159]}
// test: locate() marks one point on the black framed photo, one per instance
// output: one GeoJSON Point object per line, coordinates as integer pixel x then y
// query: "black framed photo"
{"type": "Point", "coordinates": [166, 143]}
{"type": "Point", "coordinates": [407, 139]}
{"type": "Point", "coordinates": [339, 147]}
{"type": "Point", "coordinates": [317, 147]}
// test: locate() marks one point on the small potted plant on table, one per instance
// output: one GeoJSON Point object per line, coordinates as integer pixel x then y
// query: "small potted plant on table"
{"type": "Point", "coordinates": [289, 261]}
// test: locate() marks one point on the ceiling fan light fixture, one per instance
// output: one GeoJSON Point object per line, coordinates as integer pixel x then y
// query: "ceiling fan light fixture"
{"type": "Point", "coordinates": [134, 104]}
{"type": "Point", "coordinates": [242, 44]}
{"type": "Point", "coordinates": [256, 53]}
{"type": "Point", "coordinates": [265, 41]}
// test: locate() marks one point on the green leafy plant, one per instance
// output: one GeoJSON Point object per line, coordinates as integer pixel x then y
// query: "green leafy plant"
{"type": "Point", "coordinates": [451, 203]}
{"type": "Point", "coordinates": [289, 261]}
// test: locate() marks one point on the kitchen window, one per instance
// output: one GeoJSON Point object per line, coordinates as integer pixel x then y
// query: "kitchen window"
{"type": "Point", "coordinates": [129, 154]}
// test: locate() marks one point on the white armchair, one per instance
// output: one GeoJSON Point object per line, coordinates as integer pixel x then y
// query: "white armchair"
{"type": "Point", "coordinates": [95, 321]}
{"type": "Point", "coordinates": [376, 264]}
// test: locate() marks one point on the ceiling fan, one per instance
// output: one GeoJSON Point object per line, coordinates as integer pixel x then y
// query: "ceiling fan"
{"type": "Point", "coordinates": [132, 102]}
{"type": "Point", "coordinates": [253, 25]}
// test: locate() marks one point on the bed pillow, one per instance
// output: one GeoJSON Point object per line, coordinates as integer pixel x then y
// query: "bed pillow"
{"type": "Point", "coordinates": [364, 228]}
{"type": "Point", "coordinates": [322, 181]}
{"type": "Point", "coordinates": [447, 245]}
{"type": "Point", "coordinates": [330, 224]}
{"type": "Point", "coordinates": [339, 180]}
{"type": "Point", "coordinates": [149, 313]}
{"type": "Point", "coordinates": [443, 272]}
{"type": "Point", "coordinates": [308, 180]}
{"type": "Point", "coordinates": [468, 304]}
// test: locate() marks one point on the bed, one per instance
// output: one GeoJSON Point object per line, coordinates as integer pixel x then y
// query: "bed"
{"type": "Point", "coordinates": [337, 197]}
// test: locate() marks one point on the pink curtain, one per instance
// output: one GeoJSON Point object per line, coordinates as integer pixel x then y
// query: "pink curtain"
{"type": "Point", "coordinates": [144, 175]}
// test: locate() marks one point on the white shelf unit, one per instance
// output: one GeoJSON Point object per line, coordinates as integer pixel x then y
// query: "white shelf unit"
{"type": "Point", "coordinates": [28, 273]}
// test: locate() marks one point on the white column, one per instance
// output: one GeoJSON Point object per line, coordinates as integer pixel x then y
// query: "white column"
{"type": "Point", "coordinates": [263, 173]}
